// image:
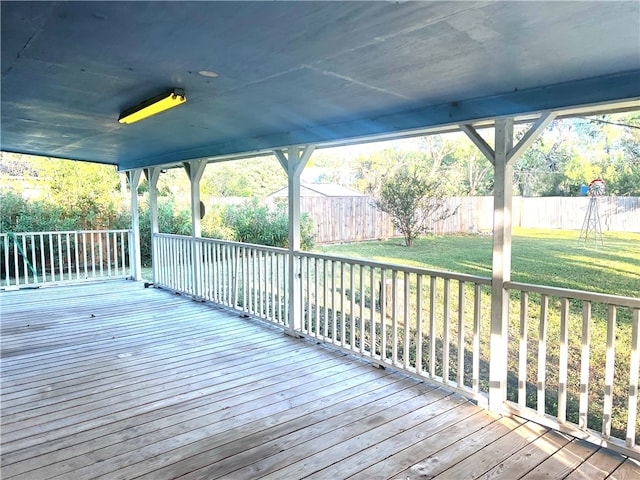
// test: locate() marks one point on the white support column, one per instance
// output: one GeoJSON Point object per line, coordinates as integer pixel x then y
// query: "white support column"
{"type": "Point", "coordinates": [502, 157]}
{"type": "Point", "coordinates": [195, 170]}
{"type": "Point", "coordinates": [501, 271]}
{"type": "Point", "coordinates": [293, 163]}
{"type": "Point", "coordinates": [153, 174]}
{"type": "Point", "coordinates": [135, 263]}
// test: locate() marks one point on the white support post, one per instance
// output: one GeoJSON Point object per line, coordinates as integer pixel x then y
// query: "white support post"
{"type": "Point", "coordinates": [195, 170]}
{"type": "Point", "coordinates": [293, 163]}
{"type": "Point", "coordinates": [135, 263]}
{"type": "Point", "coordinates": [502, 157]}
{"type": "Point", "coordinates": [153, 174]}
{"type": "Point", "coordinates": [501, 271]}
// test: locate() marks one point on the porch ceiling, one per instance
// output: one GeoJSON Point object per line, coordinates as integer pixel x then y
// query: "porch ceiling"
{"type": "Point", "coordinates": [293, 73]}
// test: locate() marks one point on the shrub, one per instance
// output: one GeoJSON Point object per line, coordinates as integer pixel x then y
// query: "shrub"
{"type": "Point", "coordinates": [259, 224]}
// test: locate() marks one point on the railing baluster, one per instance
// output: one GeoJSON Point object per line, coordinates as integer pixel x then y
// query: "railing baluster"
{"type": "Point", "coordinates": [24, 258]}
{"type": "Point", "coordinates": [107, 237]}
{"type": "Point", "coordinates": [285, 288]}
{"type": "Point", "coordinates": [584, 366]}
{"type": "Point", "coordinates": [262, 269]}
{"type": "Point", "coordinates": [278, 283]}
{"type": "Point", "coordinates": [394, 317]}
{"type": "Point", "coordinates": [325, 299]}
{"type": "Point", "coordinates": [310, 308]}
{"type": "Point", "coordinates": [76, 254]}
{"type": "Point", "coordinates": [84, 253]}
{"type": "Point", "coordinates": [634, 370]}
{"type": "Point", "coordinates": [406, 356]}
{"type": "Point", "coordinates": [383, 314]}
{"type": "Point", "coordinates": [419, 339]}
{"type": "Point", "coordinates": [42, 260]}
{"type": "Point", "coordinates": [115, 255]}
{"type": "Point", "coordinates": [334, 310]}
{"type": "Point", "coordinates": [343, 328]}
{"type": "Point", "coordinates": [229, 275]}
{"type": "Point", "coordinates": [60, 255]}
{"type": "Point", "coordinates": [16, 264]}
{"type": "Point", "coordinates": [445, 339]}
{"type": "Point", "coordinates": [316, 290]}
{"type": "Point", "coordinates": [93, 255]}
{"type": "Point", "coordinates": [522, 352]}
{"type": "Point", "coordinates": [542, 354]}
{"type": "Point", "coordinates": [609, 372]}
{"type": "Point", "coordinates": [6, 244]}
{"type": "Point", "coordinates": [563, 370]}
{"type": "Point", "coordinates": [432, 327]}
{"type": "Point", "coordinates": [461, 301]}
{"type": "Point", "coordinates": [245, 281]}
{"type": "Point", "coordinates": [362, 315]}
{"type": "Point", "coordinates": [255, 280]}
{"type": "Point", "coordinates": [34, 258]}
{"type": "Point", "coordinates": [477, 299]}
{"type": "Point", "coordinates": [372, 288]}
{"type": "Point", "coordinates": [352, 306]}
{"type": "Point", "coordinates": [123, 243]}
{"type": "Point", "coordinates": [272, 284]}
{"type": "Point", "coordinates": [52, 263]}
{"type": "Point", "coordinates": [101, 250]}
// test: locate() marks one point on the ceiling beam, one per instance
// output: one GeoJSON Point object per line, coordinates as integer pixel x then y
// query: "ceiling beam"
{"type": "Point", "coordinates": [592, 91]}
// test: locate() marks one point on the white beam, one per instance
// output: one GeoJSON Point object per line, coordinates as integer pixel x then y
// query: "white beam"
{"type": "Point", "coordinates": [153, 174]}
{"type": "Point", "coordinates": [532, 134]}
{"type": "Point", "coordinates": [135, 262]}
{"type": "Point", "coordinates": [480, 142]}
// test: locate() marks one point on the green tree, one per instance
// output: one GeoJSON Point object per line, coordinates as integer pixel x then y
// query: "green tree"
{"type": "Point", "coordinates": [414, 200]}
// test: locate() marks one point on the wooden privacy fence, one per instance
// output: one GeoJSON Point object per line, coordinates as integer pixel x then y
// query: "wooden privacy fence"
{"type": "Point", "coordinates": [348, 219]}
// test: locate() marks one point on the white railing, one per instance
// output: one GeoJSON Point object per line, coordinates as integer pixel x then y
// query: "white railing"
{"type": "Point", "coordinates": [249, 278]}
{"type": "Point", "coordinates": [39, 258]}
{"type": "Point", "coordinates": [428, 323]}
{"type": "Point", "coordinates": [575, 358]}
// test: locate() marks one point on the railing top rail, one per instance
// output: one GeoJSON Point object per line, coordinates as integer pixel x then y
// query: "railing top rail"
{"type": "Point", "coordinates": [575, 294]}
{"type": "Point", "coordinates": [225, 242]}
{"type": "Point", "coordinates": [463, 277]}
{"type": "Point", "coordinates": [121, 230]}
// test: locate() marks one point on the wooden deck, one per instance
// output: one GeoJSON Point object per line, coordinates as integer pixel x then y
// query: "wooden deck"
{"type": "Point", "coordinates": [113, 381]}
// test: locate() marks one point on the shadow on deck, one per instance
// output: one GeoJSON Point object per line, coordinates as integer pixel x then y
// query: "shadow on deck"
{"type": "Point", "coordinates": [112, 380]}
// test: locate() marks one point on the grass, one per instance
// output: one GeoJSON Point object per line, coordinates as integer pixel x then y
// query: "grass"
{"type": "Point", "coordinates": [543, 257]}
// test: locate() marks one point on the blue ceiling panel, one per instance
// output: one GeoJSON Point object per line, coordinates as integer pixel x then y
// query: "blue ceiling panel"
{"type": "Point", "coordinates": [290, 73]}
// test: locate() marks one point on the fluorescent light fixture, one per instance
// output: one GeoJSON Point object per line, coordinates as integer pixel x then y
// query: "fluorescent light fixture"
{"type": "Point", "coordinates": [154, 105]}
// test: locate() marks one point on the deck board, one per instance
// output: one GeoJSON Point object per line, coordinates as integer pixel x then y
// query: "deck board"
{"type": "Point", "coordinates": [112, 380]}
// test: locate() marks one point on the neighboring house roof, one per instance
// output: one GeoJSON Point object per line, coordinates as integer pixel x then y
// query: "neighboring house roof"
{"type": "Point", "coordinates": [319, 190]}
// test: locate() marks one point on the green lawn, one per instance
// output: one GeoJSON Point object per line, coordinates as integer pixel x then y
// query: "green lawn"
{"type": "Point", "coordinates": [544, 257]}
